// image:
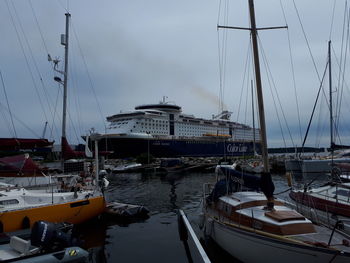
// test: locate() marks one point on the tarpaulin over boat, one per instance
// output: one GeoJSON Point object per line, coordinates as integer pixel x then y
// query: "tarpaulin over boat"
{"type": "Point", "coordinates": [19, 163]}
{"type": "Point", "coordinates": [23, 143]}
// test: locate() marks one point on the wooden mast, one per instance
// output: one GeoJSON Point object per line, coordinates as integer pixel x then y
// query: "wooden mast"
{"type": "Point", "coordinates": [254, 34]}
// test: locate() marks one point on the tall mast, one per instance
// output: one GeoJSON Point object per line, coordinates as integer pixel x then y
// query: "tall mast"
{"type": "Point", "coordinates": [254, 34]}
{"type": "Point", "coordinates": [64, 42]}
{"type": "Point", "coordinates": [330, 96]}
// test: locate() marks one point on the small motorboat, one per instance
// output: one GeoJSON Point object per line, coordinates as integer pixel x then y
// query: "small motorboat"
{"type": "Point", "coordinates": [48, 243]}
{"type": "Point", "coordinates": [126, 168]}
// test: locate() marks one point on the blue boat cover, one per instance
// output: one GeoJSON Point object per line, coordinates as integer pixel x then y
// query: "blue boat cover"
{"type": "Point", "coordinates": [242, 181]}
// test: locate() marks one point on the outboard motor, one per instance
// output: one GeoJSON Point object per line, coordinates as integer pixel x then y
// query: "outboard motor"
{"type": "Point", "coordinates": [47, 236]}
{"type": "Point", "coordinates": [103, 182]}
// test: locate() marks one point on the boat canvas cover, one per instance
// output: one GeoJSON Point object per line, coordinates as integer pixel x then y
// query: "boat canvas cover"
{"type": "Point", "coordinates": [68, 152]}
{"type": "Point", "coordinates": [21, 143]}
{"type": "Point", "coordinates": [17, 163]}
{"type": "Point", "coordinates": [242, 181]}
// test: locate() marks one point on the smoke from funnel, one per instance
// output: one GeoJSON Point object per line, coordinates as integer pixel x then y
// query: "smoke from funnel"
{"type": "Point", "coordinates": [207, 95]}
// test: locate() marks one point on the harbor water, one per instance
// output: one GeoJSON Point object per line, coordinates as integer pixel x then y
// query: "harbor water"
{"type": "Point", "coordinates": [155, 239]}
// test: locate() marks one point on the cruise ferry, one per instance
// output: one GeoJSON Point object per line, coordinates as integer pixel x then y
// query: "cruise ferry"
{"type": "Point", "coordinates": [162, 130]}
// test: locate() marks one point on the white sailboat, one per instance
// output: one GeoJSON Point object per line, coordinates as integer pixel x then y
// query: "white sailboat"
{"type": "Point", "coordinates": [253, 226]}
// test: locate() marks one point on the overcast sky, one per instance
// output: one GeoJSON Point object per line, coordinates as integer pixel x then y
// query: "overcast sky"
{"type": "Point", "coordinates": [126, 53]}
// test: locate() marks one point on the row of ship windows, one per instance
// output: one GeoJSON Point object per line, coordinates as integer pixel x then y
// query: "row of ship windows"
{"type": "Point", "coordinates": [153, 132]}
{"type": "Point", "coordinates": [154, 125]}
{"type": "Point", "coordinates": [150, 120]}
{"type": "Point", "coordinates": [119, 123]}
{"type": "Point", "coordinates": [200, 129]}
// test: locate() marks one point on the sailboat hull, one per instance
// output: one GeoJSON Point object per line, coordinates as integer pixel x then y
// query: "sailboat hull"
{"type": "Point", "coordinates": [327, 204]}
{"type": "Point", "coordinates": [250, 247]}
{"type": "Point", "coordinates": [72, 212]}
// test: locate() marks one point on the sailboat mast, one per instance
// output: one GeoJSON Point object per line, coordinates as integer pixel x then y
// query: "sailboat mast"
{"type": "Point", "coordinates": [330, 96]}
{"type": "Point", "coordinates": [64, 42]}
{"type": "Point", "coordinates": [254, 34]}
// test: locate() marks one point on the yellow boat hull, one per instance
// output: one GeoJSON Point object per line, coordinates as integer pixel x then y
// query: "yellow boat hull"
{"type": "Point", "coordinates": [72, 212]}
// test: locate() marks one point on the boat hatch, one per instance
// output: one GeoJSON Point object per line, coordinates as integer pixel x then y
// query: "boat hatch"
{"type": "Point", "coordinates": [283, 216]}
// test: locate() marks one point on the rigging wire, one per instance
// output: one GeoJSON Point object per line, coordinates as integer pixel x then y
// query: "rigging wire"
{"type": "Point", "coordinates": [345, 87]}
{"type": "Point", "coordinates": [21, 122]}
{"type": "Point", "coordinates": [272, 84]}
{"type": "Point", "coordinates": [31, 55]}
{"type": "Point", "coordinates": [55, 110]}
{"type": "Point", "coordinates": [44, 87]}
{"type": "Point", "coordinates": [342, 66]}
{"type": "Point", "coordinates": [8, 105]}
{"type": "Point", "coordinates": [247, 91]}
{"type": "Point", "coordinates": [314, 107]}
{"type": "Point", "coordinates": [62, 5]}
{"type": "Point", "coordinates": [317, 73]}
{"type": "Point", "coordinates": [293, 72]}
{"type": "Point", "coordinates": [8, 124]}
{"type": "Point", "coordinates": [307, 41]}
{"type": "Point", "coordinates": [23, 51]}
{"type": "Point", "coordinates": [219, 58]}
{"type": "Point", "coordinates": [332, 20]}
{"type": "Point", "coordinates": [320, 123]}
{"type": "Point", "coordinates": [246, 70]}
{"type": "Point", "coordinates": [222, 50]}
{"type": "Point", "coordinates": [92, 87]}
{"type": "Point", "coordinates": [74, 90]}
{"type": "Point", "coordinates": [39, 28]}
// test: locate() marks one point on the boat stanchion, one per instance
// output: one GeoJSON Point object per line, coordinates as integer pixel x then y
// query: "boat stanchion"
{"type": "Point", "coordinates": [184, 227]}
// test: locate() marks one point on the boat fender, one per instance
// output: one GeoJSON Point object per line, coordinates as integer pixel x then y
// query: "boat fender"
{"type": "Point", "coordinates": [201, 221]}
{"type": "Point", "coordinates": [289, 179]}
{"type": "Point", "coordinates": [340, 224]}
{"type": "Point", "coordinates": [25, 222]}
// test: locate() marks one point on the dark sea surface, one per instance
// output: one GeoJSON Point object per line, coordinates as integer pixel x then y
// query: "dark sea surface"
{"type": "Point", "coordinates": [155, 239]}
